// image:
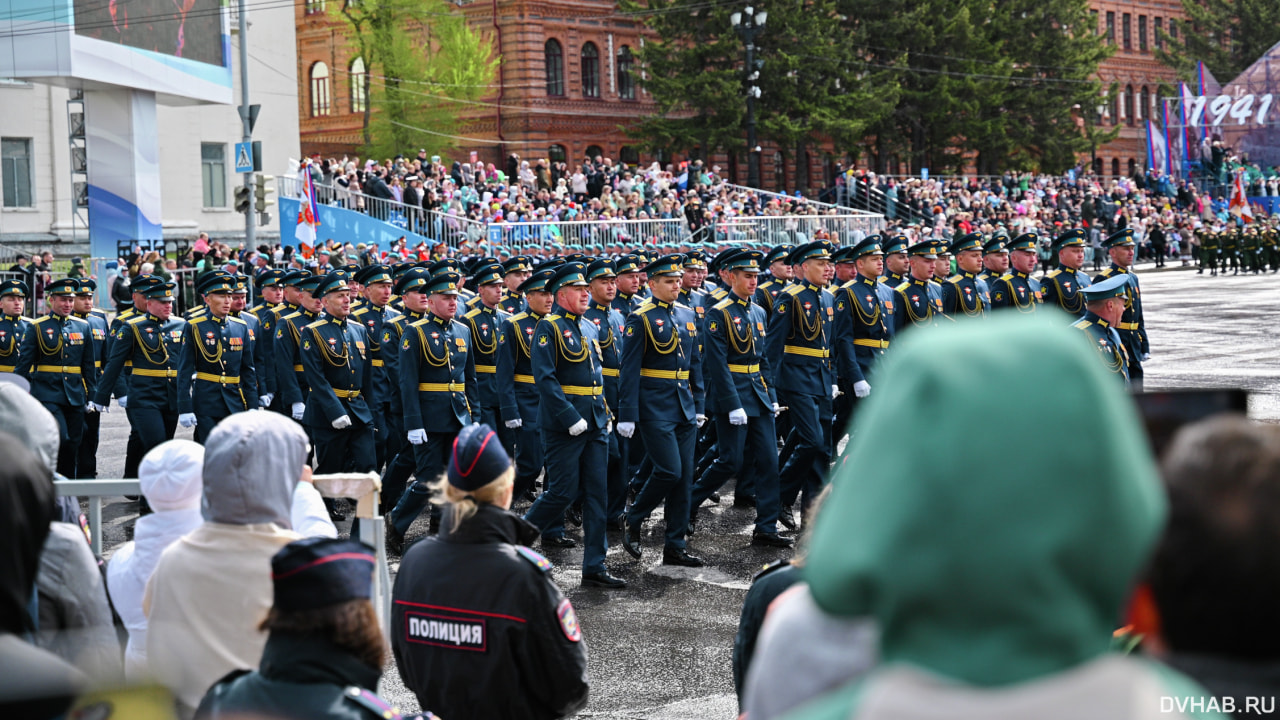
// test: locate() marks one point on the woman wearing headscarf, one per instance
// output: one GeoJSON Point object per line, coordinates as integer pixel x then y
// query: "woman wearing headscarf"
{"type": "Point", "coordinates": [477, 587]}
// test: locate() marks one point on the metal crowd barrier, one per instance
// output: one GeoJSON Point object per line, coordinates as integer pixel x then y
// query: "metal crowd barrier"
{"type": "Point", "coordinates": [795, 229]}
{"type": "Point", "coordinates": [372, 525]}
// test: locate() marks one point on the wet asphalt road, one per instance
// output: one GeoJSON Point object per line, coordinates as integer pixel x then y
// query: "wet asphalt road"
{"type": "Point", "coordinates": [661, 649]}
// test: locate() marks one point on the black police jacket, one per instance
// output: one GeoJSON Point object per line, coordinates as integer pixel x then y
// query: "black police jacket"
{"type": "Point", "coordinates": [479, 629]}
{"type": "Point", "coordinates": [301, 677]}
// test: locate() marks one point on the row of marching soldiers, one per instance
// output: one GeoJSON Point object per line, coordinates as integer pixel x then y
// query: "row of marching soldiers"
{"type": "Point", "coordinates": [624, 384]}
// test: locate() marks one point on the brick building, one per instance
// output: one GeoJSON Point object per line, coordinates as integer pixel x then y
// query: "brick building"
{"type": "Point", "coordinates": [567, 87]}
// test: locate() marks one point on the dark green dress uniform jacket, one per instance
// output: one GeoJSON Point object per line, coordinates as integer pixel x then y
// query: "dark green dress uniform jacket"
{"type": "Point", "coordinates": [661, 363]}
{"type": "Point", "coordinates": [567, 372]}
{"type": "Point", "coordinates": [56, 357]}
{"type": "Point", "coordinates": [437, 375]}
{"type": "Point", "coordinates": [150, 349]}
{"type": "Point", "coordinates": [335, 357]}
{"type": "Point", "coordinates": [219, 353]}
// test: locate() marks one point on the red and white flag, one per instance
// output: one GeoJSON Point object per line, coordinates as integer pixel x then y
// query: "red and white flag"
{"type": "Point", "coordinates": [1239, 205]}
{"type": "Point", "coordinates": [308, 213]}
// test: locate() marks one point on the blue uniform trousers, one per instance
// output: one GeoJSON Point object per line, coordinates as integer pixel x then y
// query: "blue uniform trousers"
{"type": "Point", "coordinates": [751, 447]}
{"type": "Point", "coordinates": [528, 458]}
{"type": "Point", "coordinates": [430, 460]}
{"type": "Point", "coordinates": [70, 431]}
{"type": "Point", "coordinates": [153, 426]}
{"type": "Point", "coordinates": [87, 456]}
{"type": "Point", "coordinates": [573, 463]}
{"type": "Point", "coordinates": [670, 447]}
{"type": "Point", "coordinates": [810, 443]}
{"type": "Point", "coordinates": [348, 450]}
{"type": "Point", "coordinates": [206, 423]}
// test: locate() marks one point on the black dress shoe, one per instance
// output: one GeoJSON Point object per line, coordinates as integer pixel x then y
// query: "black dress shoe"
{"type": "Point", "coordinates": [613, 524]}
{"type": "Point", "coordinates": [574, 517]}
{"type": "Point", "coordinates": [603, 580]}
{"type": "Point", "coordinates": [714, 498]}
{"type": "Point", "coordinates": [558, 542]}
{"type": "Point", "coordinates": [681, 557]}
{"type": "Point", "coordinates": [395, 541]}
{"type": "Point", "coordinates": [631, 540]}
{"type": "Point", "coordinates": [786, 518]}
{"type": "Point", "coordinates": [743, 501]}
{"type": "Point", "coordinates": [773, 539]}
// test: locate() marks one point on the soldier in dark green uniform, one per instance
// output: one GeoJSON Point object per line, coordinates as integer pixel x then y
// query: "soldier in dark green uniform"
{"type": "Point", "coordinates": [609, 328]}
{"type": "Point", "coordinates": [1016, 288]}
{"type": "Point", "coordinates": [291, 381]}
{"type": "Point", "coordinates": [779, 274]}
{"type": "Point", "coordinates": [516, 387]}
{"type": "Point", "coordinates": [484, 319]}
{"type": "Point", "coordinates": [411, 290]}
{"type": "Point", "coordinates": [270, 287]}
{"type": "Point", "coordinates": [13, 297]}
{"type": "Point", "coordinates": [87, 458]}
{"type": "Point", "coordinates": [56, 357]}
{"type": "Point", "coordinates": [215, 370]}
{"type": "Point", "coordinates": [1230, 239]}
{"type": "Point", "coordinates": [514, 272]}
{"type": "Point", "coordinates": [1210, 250]}
{"type": "Point", "coordinates": [917, 300]}
{"type": "Point", "coordinates": [1104, 306]}
{"type": "Point", "coordinates": [373, 313]}
{"type": "Point", "coordinates": [861, 328]}
{"type": "Point", "coordinates": [963, 294]}
{"type": "Point", "coordinates": [1062, 285]}
{"type": "Point", "coordinates": [1131, 326]}
{"type": "Point", "coordinates": [896, 263]}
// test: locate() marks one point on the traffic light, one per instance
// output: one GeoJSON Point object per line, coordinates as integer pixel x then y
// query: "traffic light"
{"type": "Point", "coordinates": [242, 199]}
{"type": "Point", "coordinates": [261, 191]}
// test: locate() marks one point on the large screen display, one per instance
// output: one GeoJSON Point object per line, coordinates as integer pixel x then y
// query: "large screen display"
{"type": "Point", "coordinates": [189, 29]}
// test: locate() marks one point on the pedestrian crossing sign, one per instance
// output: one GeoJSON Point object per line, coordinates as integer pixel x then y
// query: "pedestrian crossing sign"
{"type": "Point", "coordinates": [244, 157]}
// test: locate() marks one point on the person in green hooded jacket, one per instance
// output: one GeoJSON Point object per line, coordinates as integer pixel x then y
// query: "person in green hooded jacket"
{"type": "Point", "coordinates": [996, 592]}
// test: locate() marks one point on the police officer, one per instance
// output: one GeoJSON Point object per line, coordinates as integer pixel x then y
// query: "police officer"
{"type": "Point", "coordinates": [661, 395]}
{"type": "Point", "coordinates": [13, 298]}
{"type": "Point", "coordinates": [149, 345]}
{"type": "Point", "coordinates": [1016, 288]}
{"type": "Point", "coordinates": [516, 387]}
{"type": "Point", "coordinates": [574, 423]}
{"type": "Point", "coordinates": [739, 400]}
{"type": "Point", "coordinates": [56, 357]}
{"type": "Point", "coordinates": [411, 291]}
{"type": "Point", "coordinates": [1104, 306]}
{"type": "Point", "coordinates": [1131, 326]}
{"type": "Point", "coordinates": [479, 627]}
{"type": "Point", "coordinates": [335, 357]}
{"type": "Point", "coordinates": [1062, 284]}
{"type": "Point", "coordinates": [291, 381]}
{"type": "Point", "coordinates": [963, 294]}
{"type": "Point", "coordinates": [438, 391]}
{"type": "Point", "coordinates": [861, 329]}
{"type": "Point", "coordinates": [215, 370]}
{"type": "Point", "coordinates": [918, 300]}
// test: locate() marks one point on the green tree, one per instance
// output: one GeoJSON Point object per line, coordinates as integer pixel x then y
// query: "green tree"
{"type": "Point", "coordinates": [424, 65]}
{"type": "Point", "coordinates": [1228, 35]}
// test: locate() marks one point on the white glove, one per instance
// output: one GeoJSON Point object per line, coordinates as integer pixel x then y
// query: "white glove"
{"type": "Point", "coordinates": [701, 420]}
{"type": "Point", "coordinates": [187, 419]}
{"type": "Point", "coordinates": [1146, 357]}
{"type": "Point", "coordinates": [626, 429]}
{"type": "Point", "coordinates": [777, 409]}
{"type": "Point", "coordinates": [513, 424]}
{"type": "Point", "coordinates": [418, 436]}
{"type": "Point", "coordinates": [94, 407]}
{"type": "Point", "coordinates": [835, 391]}
{"type": "Point", "coordinates": [342, 422]}
{"type": "Point", "coordinates": [861, 389]}
{"type": "Point", "coordinates": [265, 400]}
{"type": "Point", "coordinates": [608, 428]}
{"type": "Point", "coordinates": [298, 410]}
{"type": "Point", "coordinates": [123, 401]}
{"type": "Point", "coordinates": [738, 417]}
{"type": "Point", "coordinates": [578, 428]}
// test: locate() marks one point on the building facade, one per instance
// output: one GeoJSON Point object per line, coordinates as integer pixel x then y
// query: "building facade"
{"type": "Point", "coordinates": [196, 144]}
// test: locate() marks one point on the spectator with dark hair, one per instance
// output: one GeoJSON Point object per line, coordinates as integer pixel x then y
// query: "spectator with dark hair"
{"type": "Point", "coordinates": [1215, 580]}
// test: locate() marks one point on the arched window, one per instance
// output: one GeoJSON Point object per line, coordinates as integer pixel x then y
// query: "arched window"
{"type": "Point", "coordinates": [1113, 107]}
{"type": "Point", "coordinates": [1133, 167]}
{"type": "Point", "coordinates": [626, 85]}
{"type": "Point", "coordinates": [319, 89]}
{"type": "Point", "coordinates": [779, 172]}
{"type": "Point", "coordinates": [590, 71]}
{"type": "Point", "coordinates": [555, 67]}
{"type": "Point", "coordinates": [557, 153]}
{"type": "Point", "coordinates": [1097, 167]}
{"type": "Point", "coordinates": [1144, 107]}
{"type": "Point", "coordinates": [594, 151]}
{"type": "Point", "coordinates": [1129, 104]}
{"type": "Point", "coordinates": [359, 86]}
{"type": "Point", "coordinates": [1115, 167]}
{"type": "Point", "coordinates": [629, 155]}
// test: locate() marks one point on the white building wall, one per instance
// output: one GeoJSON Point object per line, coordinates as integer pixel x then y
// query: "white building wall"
{"type": "Point", "coordinates": [39, 112]}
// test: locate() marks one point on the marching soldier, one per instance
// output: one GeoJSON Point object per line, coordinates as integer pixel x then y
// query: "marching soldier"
{"type": "Point", "coordinates": [918, 300]}
{"type": "Point", "coordinates": [896, 261]}
{"type": "Point", "coordinates": [138, 290]}
{"type": "Point", "coordinates": [740, 401]}
{"type": "Point", "coordinates": [56, 357]}
{"type": "Point", "coordinates": [609, 328]}
{"type": "Point", "coordinates": [1062, 285]}
{"type": "Point", "coordinates": [780, 273]}
{"type": "Point", "coordinates": [1252, 251]}
{"type": "Point", "coordinates": [1209, 244]}
{"type": "Point", "coordinates": [291, 381]}
{"type": "Point", "coordinates": [270, 286]}
{"type": "Point", "coordinates": [1271, 247]}
{"type": "Point", "coordinates": [484, 320]}
{"type": "Point", "coordinates": [661, 396]}
{"type": "Point", "coordinates": [1016, 288]}
{"type": "Point", "coordinates": [575, 423]}
{"type": "Point", "coordinates": [335, 356]}
{"type": "Point", "coordinates": [148, 345]}
{"type": "Point", "coordinates": [411, 291]}
{"type": "Point", "coordinates": [375, 281]}
{"type": "Point", "coordinates": [13, 326]}
{"type": "Point", "coordinates": [239, 310]}
{"type": "Point", "coordinates": [963, 293]}
{"type": "Point", "coordinates": [799, 353]}
{"type": "Point", "coordinates": [1104, 306]}
{"type": "Point", "coordinates": [1230, 241]}
{"type": "Point", "coordinates": [630, 271]}
{"type": "Point", "coordinates": [514, 272]}
{"type": "Point", "coordinates": [861, 331]}
{"type": "Point", "coordinates": [438, 391]}
{"type": "Point", "coordinates": [87, 459]}
{"type": "Point", "coordinates": [691, 293]}
{"type": "Point", "coordinates": [1131, 326]}
{"type": "Point", "coordinates": [215, 370]}
{"type": "Point", "coordinates": [995, 261]}
{"type": "Point", "coordinates": [516, 387]}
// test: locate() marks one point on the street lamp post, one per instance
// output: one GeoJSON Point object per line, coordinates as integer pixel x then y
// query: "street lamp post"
{"type": "Point", "coordinates": [747, 24]}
